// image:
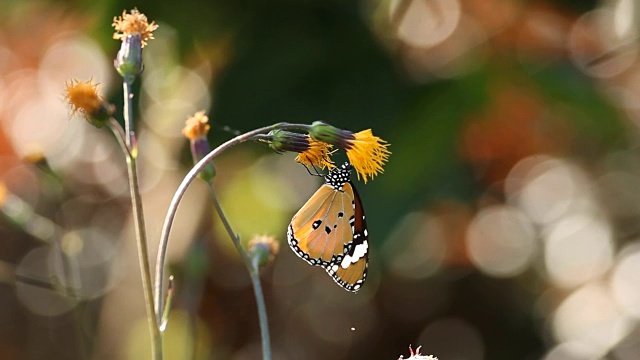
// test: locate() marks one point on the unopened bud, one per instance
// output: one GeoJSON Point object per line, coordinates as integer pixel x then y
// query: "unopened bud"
{"type": "Point", "coordinates": [128, 62]}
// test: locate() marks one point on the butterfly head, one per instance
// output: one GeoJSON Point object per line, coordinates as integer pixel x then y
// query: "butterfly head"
{"type": "Point", "coordinates": [339, 176]}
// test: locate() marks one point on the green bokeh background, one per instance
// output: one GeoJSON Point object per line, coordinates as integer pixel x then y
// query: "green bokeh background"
{"type": "Point", "coordinates": [302, 61]}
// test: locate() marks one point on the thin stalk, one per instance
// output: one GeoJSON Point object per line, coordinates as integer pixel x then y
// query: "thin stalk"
{"type": "Point", "coordinates": [253, 268]}
{"type": "Point", "coordinates": [139, 226]}
{"type": "Point", "coordinates": [128, 112]}
{"type": "Point", "coordinates": [262, 309]}
{"type": "Point", "coordinates": [117, 131]}
{"type": "Point", "coordinates": [177, 197]}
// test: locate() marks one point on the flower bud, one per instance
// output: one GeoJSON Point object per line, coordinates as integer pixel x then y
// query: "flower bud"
{"type": "Point", "coordinates": [330, 134]}
{"type": "Point", "coordinates": [128, 62]}
{"type": "Point", "coordinates": [196, 129]}
{"type": "Point", "coordinates": [281, 141]}
{"type": "Point", "coordinates": [311, 152]}
{"type": "Point", "coordinates": [263, 249]}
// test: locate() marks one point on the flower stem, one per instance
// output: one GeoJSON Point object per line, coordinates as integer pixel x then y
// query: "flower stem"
{"type": "Point", "coordinates": [139, 226]}
{"type": "Point", "coordinates": [117, 131]}
{"type": "Point", "coordinates": [253, 268]}
{"type": "Point", "coordinates": [128, 113]}
{"type": "Point", "coordinates": [177, 197]}
{"type": "Point", "coordinates": [262, 309]}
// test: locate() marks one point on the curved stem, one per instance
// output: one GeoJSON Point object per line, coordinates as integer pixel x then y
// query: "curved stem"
{"type": "Point", "coordinates": [254, 273]}
{"type": "Point", "coordinates": [139, 226]}
{"type": "Point", "coordinates": [177, 197]}
{"type": "Point", "coordinates": [117, 131]}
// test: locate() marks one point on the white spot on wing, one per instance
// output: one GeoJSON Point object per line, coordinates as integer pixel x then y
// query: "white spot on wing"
{"type": "Point", "coordinates": [346, 262]}
{"type": "Point", "coordinates": [359, 252]}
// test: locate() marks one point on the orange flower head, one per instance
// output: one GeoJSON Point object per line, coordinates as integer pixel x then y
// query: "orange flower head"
{"type": "Point", "coordinates": [311, 152]}
{"type": "Point", "coordinates": [366, 152]}
{"type": "Point", "coordinates": [83, 98]}
{"type": "Point", "coordinates": [197, 126]}
{"type": "Point", "coordinates": [318, 154]}
{"type": "Point", "coordinates": [263, 248]}
{"type": "Point", "coordinates": [132, 24]}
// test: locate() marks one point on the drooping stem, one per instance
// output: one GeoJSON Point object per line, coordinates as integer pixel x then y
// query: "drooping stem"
{"type": "Point", "coordinates": [117, 131]}
{"type": "Point", "coordinates": [177, 197]}
{"type": "Point", "coordinates": [253, 268]}
{"type": "Point", "coordinates": [139, 226]}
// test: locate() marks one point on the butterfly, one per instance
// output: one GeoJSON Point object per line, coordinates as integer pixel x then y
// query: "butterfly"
{"type": "Point", "coordinates": [330, 230]}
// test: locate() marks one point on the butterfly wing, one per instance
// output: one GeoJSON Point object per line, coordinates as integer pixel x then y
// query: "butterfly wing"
{"type": "Point", "coordinates": [351, 271]}
{"type": "Point", "coordinates": [318, 231]}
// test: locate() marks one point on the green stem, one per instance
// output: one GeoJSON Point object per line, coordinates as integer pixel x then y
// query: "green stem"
{"type": "Point", "coordinates": [177, 197]}
{"type": "Point", "coordinates": [128, 113]}
{"type": "Point", "coordinates": [139, 226]}
{"type": "Point", "coordinates": [262, 310]}
{"type": "Point", "coordinates": [117, 131]}
{"type": "Point", "coordinates": [253, 268]}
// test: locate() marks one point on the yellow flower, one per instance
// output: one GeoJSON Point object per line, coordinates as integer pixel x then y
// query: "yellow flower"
{"type": "Point", "coordinates": [366, 152]}
{"type": "Point", "coordinates": [197, 126]}
{"type": "Point", "coordinates": [311, 152]}
{"type": "Point", "coordinates": [196, 129]}
{"type": "Point", "coordinates": [134, 23]}
{"type": "Point", "coordinates": [316, 155]}
{"type": "Point", "coordinates": [263, 248]}
{"type": "Point", "coordinates": [83, 98]}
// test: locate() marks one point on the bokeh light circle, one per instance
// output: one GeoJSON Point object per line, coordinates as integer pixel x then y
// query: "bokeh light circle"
{"type": "Point", "coordinates": [35, 280]}
{"type": "Point", "coordinates": [426, 23]}
{"type": "Point", "coordinates": [578, 248]}
{"type": "Point", "coordinates": [625, 280]}
{"type": "Point", "coordinates": [590, 316]}
{"type": "Point", "coordinates": [501, 241]}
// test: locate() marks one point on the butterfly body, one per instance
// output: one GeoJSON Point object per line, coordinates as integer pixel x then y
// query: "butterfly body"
{"type": "Point", "coordinates": [330, 230]}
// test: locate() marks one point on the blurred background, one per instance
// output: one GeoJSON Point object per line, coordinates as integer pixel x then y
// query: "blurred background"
{"type": "Point", "coordinates": [506, 224]}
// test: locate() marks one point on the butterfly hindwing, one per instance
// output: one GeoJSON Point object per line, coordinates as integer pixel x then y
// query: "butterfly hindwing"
{"type": "Point", "coordinates": [351, 271]}
{"type": "Point", "coordinates": [330, 231]}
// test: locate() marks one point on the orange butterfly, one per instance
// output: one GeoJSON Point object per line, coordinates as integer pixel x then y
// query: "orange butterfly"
{"type": "Point", "coordinates": [330, 230]}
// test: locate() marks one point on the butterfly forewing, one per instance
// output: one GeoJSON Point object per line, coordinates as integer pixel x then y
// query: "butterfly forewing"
{"type": "Point", "coordinates": [318, 230]}
{"type": "Point", "coordinates": [327, 240]}
{"type": "Point", "coordinates": [330, 230]}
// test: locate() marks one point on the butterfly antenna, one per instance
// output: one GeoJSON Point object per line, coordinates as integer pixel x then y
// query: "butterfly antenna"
{"type": "Point", "coordinates": [228, 129]}
{"type": "Point", "coordinates": [317, 173]}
